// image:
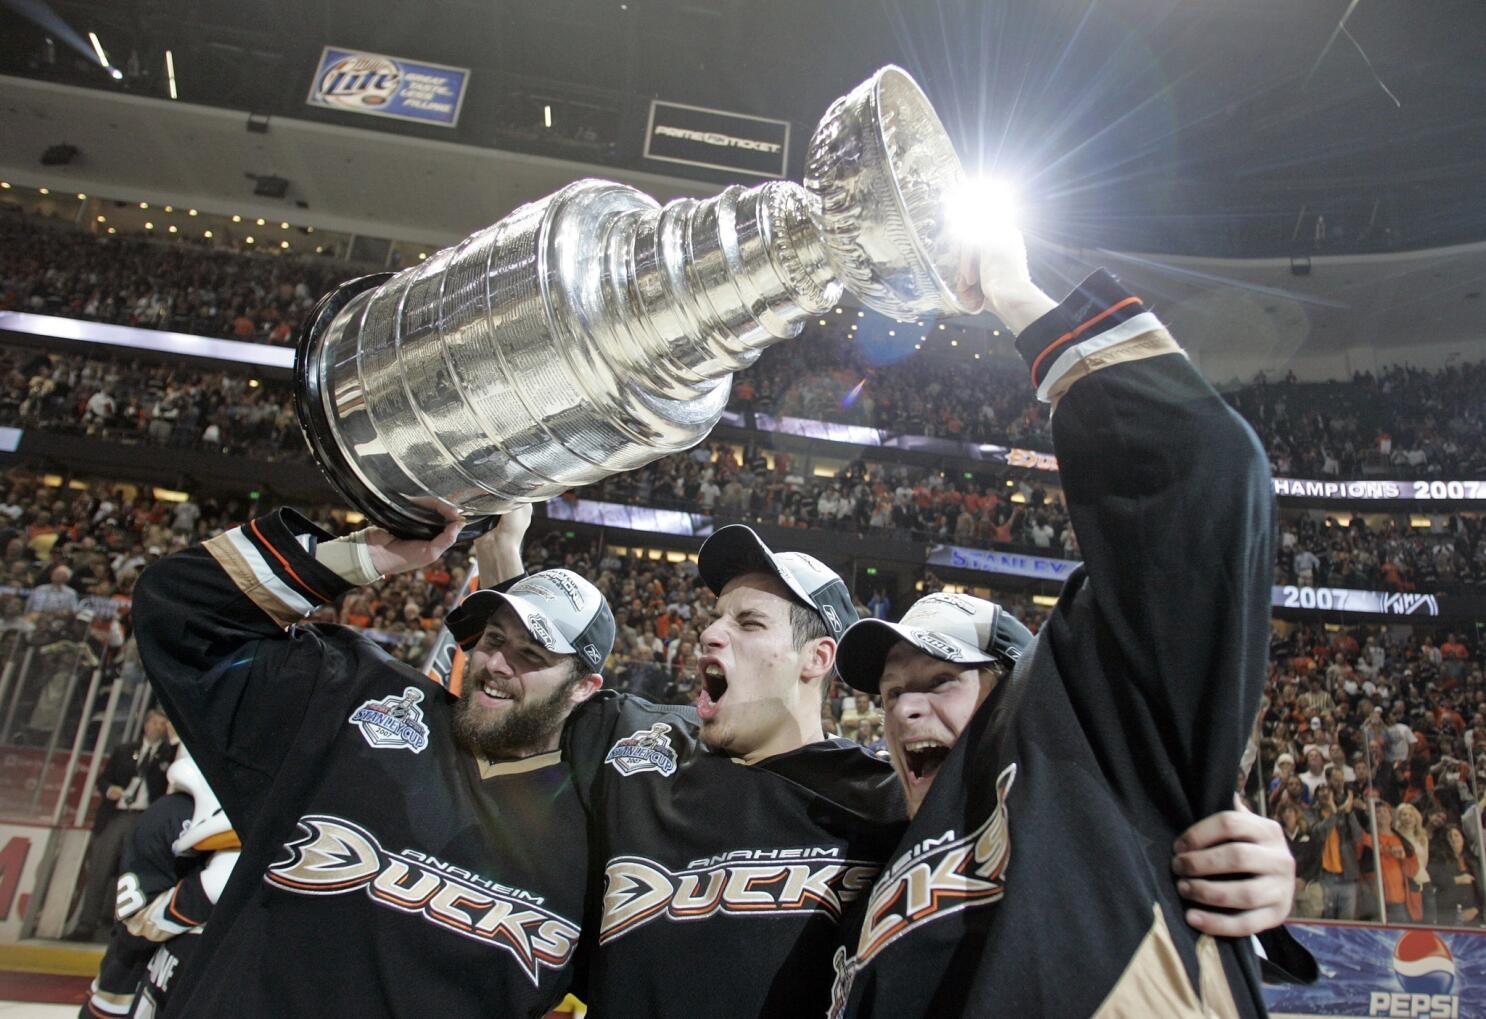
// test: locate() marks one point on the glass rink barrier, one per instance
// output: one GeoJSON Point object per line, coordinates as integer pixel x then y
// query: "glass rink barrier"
{"type": "Point", "coordinates": [71, 691]}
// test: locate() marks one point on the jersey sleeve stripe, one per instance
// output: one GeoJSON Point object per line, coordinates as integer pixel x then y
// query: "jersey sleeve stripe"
{"type": "Point", "coordinates": [176, 914]}
{"type": "Point", "coordinates": [237, 556]}
{"type": "Point", "coordinates": [1074, 333]}
{"type": "Point", "coordinates": [257, 533]}
{"type": "Point", "coordinates": [1098, 352]}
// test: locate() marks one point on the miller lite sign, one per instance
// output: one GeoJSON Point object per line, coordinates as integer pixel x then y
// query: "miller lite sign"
{"type": "Point", "coordinates": [354, 81]}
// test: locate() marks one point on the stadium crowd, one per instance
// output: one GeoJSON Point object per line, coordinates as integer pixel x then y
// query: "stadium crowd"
{"type": "Point", "coordinates": [51, 269]}
{"type": "Point", "coordinates": [1366, 729]}
{"type": "Point", "coordinates": [227, 412]}
{"type": "Point", "coordinates": [1353, 713]}
{"type": "Point", "coordinates": [1400, 423]}
{"type": "Point", "coordinates": [1378, 725]}
{"type": "Point", "coordinates": [71, 556]}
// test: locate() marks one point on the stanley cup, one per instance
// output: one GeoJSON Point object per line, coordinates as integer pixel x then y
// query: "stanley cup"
{"type": "Point", "coordinates": [595, 330]}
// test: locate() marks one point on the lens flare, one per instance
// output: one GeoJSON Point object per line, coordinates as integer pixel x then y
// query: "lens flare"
{"type": "Point", "coordinates": [981, 206]}
{"type": "Point", "coordinates": [850, 399]}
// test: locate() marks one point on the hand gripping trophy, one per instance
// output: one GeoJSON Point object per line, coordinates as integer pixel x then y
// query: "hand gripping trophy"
{"type": "Point", "coordinates": [595, 330]}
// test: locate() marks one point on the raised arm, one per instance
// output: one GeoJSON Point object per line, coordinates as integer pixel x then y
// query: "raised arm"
{"type": "Point", "coordinates": [498, 551]}
{"type": "Point", "coordinates": [1163, 634]}
{"type": "Point", "coordinates": [214, 628]}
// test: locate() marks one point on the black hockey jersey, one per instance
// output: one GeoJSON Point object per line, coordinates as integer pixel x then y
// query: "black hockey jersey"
{"type": "Point", "coordinates": [718, 886]}
{"type": "Point", "coordinates": [1035, 879]}
{"type": "Point", "coordinates": [384, 871]}
{"type": "Point", "coordinates": [148, 867]}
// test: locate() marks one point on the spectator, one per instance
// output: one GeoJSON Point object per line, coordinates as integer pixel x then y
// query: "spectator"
{"type": "Point", "coordinates": [1408, 823]}
{"type": "Point", "coordinates": [1456, 874]}
{"type": "Point", "coordinates": [133, 778]}
{"type": "Point", "coordinates": [1340, 836]}
{"type": "Point", "coordinates": [1399, 864]}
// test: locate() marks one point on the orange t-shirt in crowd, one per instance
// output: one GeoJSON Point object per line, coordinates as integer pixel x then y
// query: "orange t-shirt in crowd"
{"type": "Point", "coordinates": [1394, 870]}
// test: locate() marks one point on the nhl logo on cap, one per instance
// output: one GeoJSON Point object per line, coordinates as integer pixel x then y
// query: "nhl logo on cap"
{"type": "Point", "coordinates": [935, 645]}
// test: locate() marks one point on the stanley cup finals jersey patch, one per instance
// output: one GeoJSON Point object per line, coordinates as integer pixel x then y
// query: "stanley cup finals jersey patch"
{"type": "Point", "coordinates": [644, 750]}
{"type": "Point", "coordinates": [393, 722]}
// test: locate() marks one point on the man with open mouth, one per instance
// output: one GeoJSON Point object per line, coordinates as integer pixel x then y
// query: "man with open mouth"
{"type": "Point", "coordinates": [727, 842]}
{"type": "Point", "coordinates": [405, 852]}
{"type": "Point", "coordinates": [1049, 779]}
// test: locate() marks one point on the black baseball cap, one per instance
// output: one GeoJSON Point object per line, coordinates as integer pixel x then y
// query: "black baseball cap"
{"type": "Point", "coordinates": [562, 611]}
{"type": "Point", "coordinates": [735, 550]}
{"type": "Point", "coordinates": [950, 627]}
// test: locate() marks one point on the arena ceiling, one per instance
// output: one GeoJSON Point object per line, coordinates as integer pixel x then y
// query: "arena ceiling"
{"type": "Point", "coordinates": [1176, 125]}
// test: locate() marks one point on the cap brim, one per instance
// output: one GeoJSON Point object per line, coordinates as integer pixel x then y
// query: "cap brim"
{"type": "Point", "coordinates": [735, 551]}
{"type": "Point", "coordinates": [472, 615]}
{"type": "Point", "coordinates": [864, 649]}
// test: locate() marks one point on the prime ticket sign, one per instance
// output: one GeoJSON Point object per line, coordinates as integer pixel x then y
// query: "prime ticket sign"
{"type": "Point", "coordinates": [381, 86]}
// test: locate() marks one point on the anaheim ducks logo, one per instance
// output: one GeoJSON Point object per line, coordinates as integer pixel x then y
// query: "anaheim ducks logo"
{"type": "Point", "coordinates": [936, 877]}
{"type": "Point", "coordinates": [767, 882]}
{"type": "Point", "coordinates": [336, 857]}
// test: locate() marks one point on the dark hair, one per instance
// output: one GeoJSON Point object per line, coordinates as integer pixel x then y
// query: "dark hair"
{"type": "Point", "coordinates": [805, 624]}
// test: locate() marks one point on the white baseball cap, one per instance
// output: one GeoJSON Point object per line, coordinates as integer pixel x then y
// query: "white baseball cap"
{"type": "Point", "coordinates": [950, 627]}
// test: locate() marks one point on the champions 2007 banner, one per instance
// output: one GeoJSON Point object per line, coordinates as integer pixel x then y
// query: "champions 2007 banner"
{"type": "Point", "coordinates": [1398, 972]}
{"type": "Point", "coordinates": [381, 86]}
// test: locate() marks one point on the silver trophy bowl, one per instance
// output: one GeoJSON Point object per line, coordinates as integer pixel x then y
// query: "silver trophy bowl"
{"type": "Point", "coordinates": [595, 330]}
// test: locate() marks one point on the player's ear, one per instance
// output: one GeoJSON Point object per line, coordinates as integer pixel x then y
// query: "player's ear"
{"type": "Point", "coordinates": [585, 688]}
{"type": "Point", "coordinates": [820, 659]}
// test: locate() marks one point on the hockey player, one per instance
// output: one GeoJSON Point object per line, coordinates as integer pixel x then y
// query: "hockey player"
{"type": "Point", "coordinates": [177, 918]}
{"type": "Point", "coordinates": [404, 852]}
{"type": "Point", "coordinates": [175, 863]}
{"type": "Point", "coordinates": [727, 843]}
{"type": "Point", "coordinates": [1049, 779]}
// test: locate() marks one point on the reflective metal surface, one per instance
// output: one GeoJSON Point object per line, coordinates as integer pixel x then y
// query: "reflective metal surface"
{"type": "Point", "coordinates": [594, 331]}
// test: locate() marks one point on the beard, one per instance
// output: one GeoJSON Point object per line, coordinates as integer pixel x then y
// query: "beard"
{"type": "Point", "coordinates": [515, 732]}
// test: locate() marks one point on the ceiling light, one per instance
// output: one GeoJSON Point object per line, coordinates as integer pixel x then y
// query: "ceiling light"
{"type": "Point", "coordinates": [170, 73]}
{"type": "Point", "coordinates": [144, 205]}
{"type": "Point", "coordinates": [103, 219]}
{"type": "Point", "coordinates": [98, 48]}
{"type": "Point", "coordinates": [149, 226]}
{"type": "Point", "coordinates": [237, 219]}
{"type": "Point", "coordinates": [260, 221]}
{"type": "Point", "coordinates": [190, 212]}
{"type": "Point", "coordinates": [170, 208]}
{"type": "Point", "coordinates": [82, 197]}
{"type": "Point", "coordinates": [250, 240]}
{"type": "Point", "coordinates": [207, 234]}
{"type": "Point", "coordinates": [172, 228]}
{"type": "Point", "coordinates": [284, 244]}
{"type": "Point", "coordinates": [44, 191]}
{"type": "Point", "coordinates": [283, 226]}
